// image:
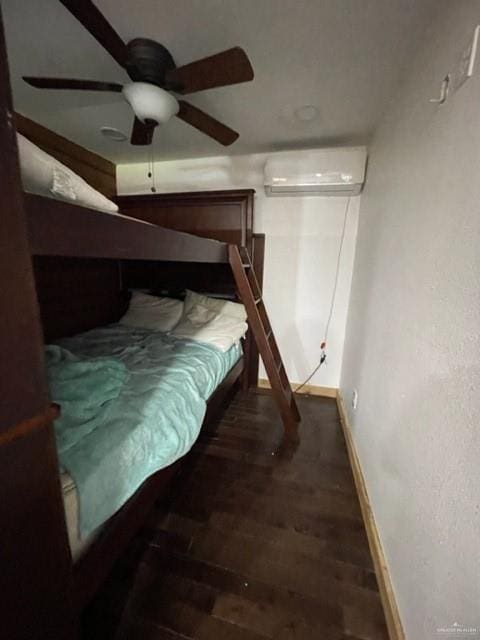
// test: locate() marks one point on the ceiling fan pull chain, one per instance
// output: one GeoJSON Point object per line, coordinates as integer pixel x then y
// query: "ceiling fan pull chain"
{"type": "Point", "coordinates": [152, 169]}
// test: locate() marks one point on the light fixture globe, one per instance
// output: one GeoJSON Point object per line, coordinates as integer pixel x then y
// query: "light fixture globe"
{"type": "Point", "coordinates": [150, 102]}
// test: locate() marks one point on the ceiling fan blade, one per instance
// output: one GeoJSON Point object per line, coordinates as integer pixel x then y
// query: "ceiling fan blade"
{"type": "Point", "coordinates": [99, 27]}
{"type": "Point", "coordinates": [228, 67]}
{"type": "Point", "coordinates": [206, 124]}
{"type": "Point", "coordinates": [142, 133]}
{"type": "Point", "coordinates": [70, 83]}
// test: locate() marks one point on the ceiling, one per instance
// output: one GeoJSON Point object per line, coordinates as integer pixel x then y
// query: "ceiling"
{"type": "Point", "coordinates": [345, 57]}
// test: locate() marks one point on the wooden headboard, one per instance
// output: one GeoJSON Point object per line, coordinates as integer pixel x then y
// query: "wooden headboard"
{"type": "Point", "coordinates": [97, 171]}
{"type": "Point", "coordinates": [222, 215]}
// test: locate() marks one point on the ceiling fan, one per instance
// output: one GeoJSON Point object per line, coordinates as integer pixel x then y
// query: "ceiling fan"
{"type": "Point", "coordinates": [154, 75]}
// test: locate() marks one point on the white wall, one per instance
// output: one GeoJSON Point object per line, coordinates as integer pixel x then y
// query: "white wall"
{"type": "Point", "coordinates": [412, 347]}
{"type": "Point", "coordinates": [302, 240]}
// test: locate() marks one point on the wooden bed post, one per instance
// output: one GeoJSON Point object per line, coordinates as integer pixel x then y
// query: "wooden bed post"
{"type": "Point", "coordinates": [34, 553]}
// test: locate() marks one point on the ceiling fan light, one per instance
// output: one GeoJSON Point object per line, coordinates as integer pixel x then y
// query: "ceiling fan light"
{"type": "Point", "coordinates": [150, 102]}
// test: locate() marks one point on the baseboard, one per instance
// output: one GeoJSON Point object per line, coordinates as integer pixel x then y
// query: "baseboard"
{"type": "Point", "coordinates": [308, 389]}
{"type": "Point", "coordinates": [392, 616]}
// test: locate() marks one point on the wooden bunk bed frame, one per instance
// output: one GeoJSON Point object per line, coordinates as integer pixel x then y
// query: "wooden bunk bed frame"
{"type": "Point", "coordinates": [64, 240]}
{"type": "Point", "coordinates": [61, 238]}
{"type": "Point", "coordinates": [83, 260]}
{"type": "Point", "coordinates": [58, 228]}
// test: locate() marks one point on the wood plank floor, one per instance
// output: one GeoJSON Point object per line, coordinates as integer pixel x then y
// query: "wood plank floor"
{"type": "Point", "coordinates": [257, 541]}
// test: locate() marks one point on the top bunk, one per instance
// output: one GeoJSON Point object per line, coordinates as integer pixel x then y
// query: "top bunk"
{"type": "Point", "coordinates": [69, 212]}
{"type": "Point", "coordinates": [57, 228]}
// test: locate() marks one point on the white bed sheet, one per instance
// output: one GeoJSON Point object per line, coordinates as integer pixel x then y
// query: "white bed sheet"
{"type": "Point", "coordinates": [78, 546]}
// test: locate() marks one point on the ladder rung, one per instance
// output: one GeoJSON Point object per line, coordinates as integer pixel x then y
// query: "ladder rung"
{"type": "Point", "coordinates": [269, 334]}
{"type": "Point", "coordinates": [246, 265]}
{"type": "Point", "coordinates": [258, 300]}
{"type": "Point", "coordinates": [279, 366]}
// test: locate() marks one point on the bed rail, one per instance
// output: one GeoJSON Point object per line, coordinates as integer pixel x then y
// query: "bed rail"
{"type": "Point", "coordinates": [58, 228]}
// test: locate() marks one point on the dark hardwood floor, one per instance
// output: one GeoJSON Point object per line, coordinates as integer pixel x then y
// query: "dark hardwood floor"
{"type": "Point", "coordinates": [257, 541]}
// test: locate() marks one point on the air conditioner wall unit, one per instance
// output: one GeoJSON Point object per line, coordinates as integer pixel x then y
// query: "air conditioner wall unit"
{"type": "Point", "coordinates": [320, 172]}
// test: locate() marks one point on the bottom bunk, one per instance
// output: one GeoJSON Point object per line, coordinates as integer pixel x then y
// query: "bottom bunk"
{"type": "Point", "coordinates": [133, 402]}
{"type": "Point", "coordinates": [133, 398]}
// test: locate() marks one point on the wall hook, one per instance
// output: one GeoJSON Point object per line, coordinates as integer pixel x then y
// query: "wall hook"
{"type": "Point", "coordinates": [443, 91]}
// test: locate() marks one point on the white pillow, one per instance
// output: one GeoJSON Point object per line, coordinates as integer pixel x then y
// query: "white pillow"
{"type": "Point", "coordinates": [222, 307]}
{"type": "Point", "coordinates": [151, 312]}
{"type": "Point", "coordinates": [204, 325]}
{"type": "Point", "coordinates": [46, 176]}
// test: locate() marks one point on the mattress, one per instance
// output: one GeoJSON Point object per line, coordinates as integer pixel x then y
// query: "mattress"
{"type": "Point", "coordinates": [46, 176]}
{"type": "Point", "coordinates": [78, 545]}
{"type": "Point", "coordinates": [153, 419]}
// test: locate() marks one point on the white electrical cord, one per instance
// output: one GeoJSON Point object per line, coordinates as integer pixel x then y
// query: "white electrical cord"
{"type": "Point", "coordinates": [323, 355]}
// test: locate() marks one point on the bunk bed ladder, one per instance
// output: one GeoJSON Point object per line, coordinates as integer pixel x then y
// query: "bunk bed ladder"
{"type": "Point", "coordinates": [251, 295]}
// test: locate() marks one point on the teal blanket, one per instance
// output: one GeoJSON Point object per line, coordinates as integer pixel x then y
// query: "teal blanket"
{"type": "Point", "coordinates": [85, 390]}
{"type": "Point", "coordinates": [133, 402]}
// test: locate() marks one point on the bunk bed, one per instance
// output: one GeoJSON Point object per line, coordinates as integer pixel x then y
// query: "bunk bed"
{"type": "Point", "coordinates": [84, 260]}
{"type": "Point", "coordinates": [82, 256]}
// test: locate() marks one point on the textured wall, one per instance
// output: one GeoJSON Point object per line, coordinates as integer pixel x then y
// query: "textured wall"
{"type": "Point", "coordinates": [412, 347]}
{"type": "Point", "coordinates": [302, 240]}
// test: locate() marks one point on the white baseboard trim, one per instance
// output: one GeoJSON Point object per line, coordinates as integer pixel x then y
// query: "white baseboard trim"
{"type": "Point", "coordinates": [389, 602]}
{"type": "Point", "coordinates": [308, 389]}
